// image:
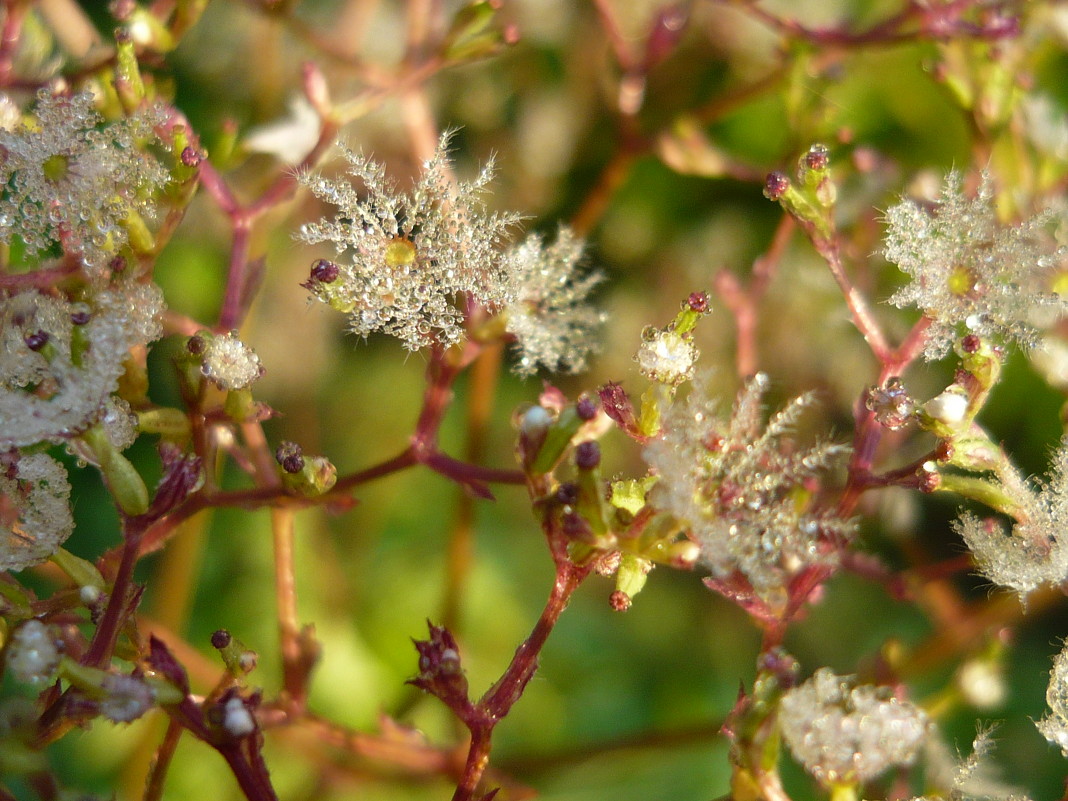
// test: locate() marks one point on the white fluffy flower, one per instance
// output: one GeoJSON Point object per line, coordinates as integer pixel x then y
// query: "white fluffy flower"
{"type": "Point", "coordinates": [412, 258]}
{"type": "Point", "coordinates": [553, 325]}
{"type": "Point", "coordinates": [53, 391]}
{"type": "Point", "coordinates": [34, 510]}
{"type": "Point", "coordinates": [32, 654]}
{"type": "Point", "coordinates": [1054, 726]}
{"type": "Point", "coordinates": [70, 179]}
{"type": "Point", "coordinates": [230, 363]}
{"type": "Point", "coordinates": [843, 733]}
{"type": "Point", "coordinates": [970, 274]}
{"type": "Point", "coordinates": [667, 357]}
{"type": "Point", "coordinates": [735, 484]}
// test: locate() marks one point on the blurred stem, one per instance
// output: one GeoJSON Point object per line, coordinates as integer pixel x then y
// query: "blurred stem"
{"type": "Point", "coordinates": [236, 277]}
{"type": "Point", "coordinates": [158, 772]}
{"type": "Point", "coordinates": [481, 393]}
{"type": "Point", "coordinates": [744, 302]}
{"type": "Point", "coordinates": [863, 318]}
{"type": "Point", "coordinates": [293, 672]}
{"type": "Point", "coordinates": [612, 177]}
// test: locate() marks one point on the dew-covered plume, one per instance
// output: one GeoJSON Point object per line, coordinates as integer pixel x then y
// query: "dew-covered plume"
{"type": "Point", "coordinates": [71, 179]}
{"type": "Point", "coordinates": [60, 360]}
{"type": "Point", "coordinates": [843, 733]}
{"type": "Point", "coordinates": [1054, 726]}
{"type": "Point", "coordinates": [1035, 551]}
{"type": "Point", "coordinates": [408, 260]}
{"type": "Point", "coordinates": [970, 274]}
{"type": "Point", "coordinates": [230, 363]}
{"type": "Point", "coordinates": [738, 486]}
{"type": "Point", "coordinates": [34, 509]}
{"type": "Point", "coordinates": [554, 326]}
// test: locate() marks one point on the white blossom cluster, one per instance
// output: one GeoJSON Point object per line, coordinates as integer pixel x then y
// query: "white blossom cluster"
{"type": "Point", "coordinates": [416, 260]}
{"type": "Point", "coordinates": [230, 363]}
{"type": "Point", "coordinates": [970, 274]}
{"type": "Point", "coordinates": [844, 734]}
{"type": "Point", "coordinates": [553, 326]}
{"type": "Point", "coordinates": [34, 510]}
{"type": "Point", "coordinates": [32, 655]}
{"type": "Point", "coordinates": [734, 482]}
{"type": "Point", "coordinates": [60, 360]}
{"type": "Point", "coordinates": [1035, 551]}
{"type": "Point", "coordinates": [1054, 726]}
{"type": "Point", "coordinates": [69, 179]}
{"type": "Point", "coordinates": [666, 356]}
{"type": "Point", "coordinates": [413, 255]}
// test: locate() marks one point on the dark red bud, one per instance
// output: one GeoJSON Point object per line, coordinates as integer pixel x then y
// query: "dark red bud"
{"type": "Point", "coordinates": [928, 481]}
{"type": "Point", "coordinates": [817, 157]}
{"type": "Point", "coordinates": [576, 527]}
{"type": "Point", "coordinates": [220, 639]}
{"type": "Point", "coordinates": [698, 302]}
{"type": "Point", "coordinates": [191, 157]}
{"type": "Point", "coordinates": [619, 601]}
{"type": "Point", "coordinates": [586, 408]}
{"type": "Point", "coordinates": [195, 345]}
{"type": "Point", "coordinates": [290, 456]}
{"type": "Point", "coordinates": [567, 493]}
{"type": "Point", "coordinates": [587, 455]}
{"type": "Point", "coordinates": [324, 272]}
{"type": "Point", "coordinates": [775, 185]}
{"type": "Point", "coordinates": [970, 343]}
{"type": "Point", "coordinates": [36, 340]}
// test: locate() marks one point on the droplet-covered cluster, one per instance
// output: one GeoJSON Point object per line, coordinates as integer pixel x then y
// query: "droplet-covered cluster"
{"type": "Point", "coordinates": [34, 509]}
{"type": "Point", "coordinates": [741, 489]}
{"type": "Point", "coordinates": [844, 734]}
{"type": "Point", "coordinates": [1054, 726]}
{"type": "Point", "coordinates": [32, 655]}
{"type": "Point", "coordinates": [412, 257]}
{"type": "Point", "coordinates": [970, 274]}
{"type": "Point", "coordinates": [666, 356]}
{"type": "Point", "coordinates": [60, 360]}
{"type": "Point", "coordinates": [1035, 551]}
{"type": "Point", "coordinates": [69, 179]}
{"type": "Point", "coordinates": [553, 326]}
{"type": "Point", "coordinates": [230, 363]}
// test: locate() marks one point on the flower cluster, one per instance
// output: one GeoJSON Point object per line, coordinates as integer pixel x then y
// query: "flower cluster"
{"type": "Point", "coordinates": [34, 509]}
{"type": "Point", "coordinates": [413, 255]}
{"type": "Point", "coordinates": [970, 274]}
{"type": "Point", "coordinates": [60, 360]}
{"type": "Point", "coordinates": [844, 734]}
{"type": "Point", "coordinates": [1035, 552]}
{"type": "Point", "coordinates": [229, 363]}
{"type": "Point", "coordinates": [740, 489]}
{"type": "Point", "coordinates": [549, 317]}
{"type": "Point", "coordinates": [68, 179]}
{"type": "Point", "coordinates": [1054, 726]}
{"type": "Point", "coordinates": [32, 654]}
{"type": "Point", "coordinates": [418, 260]}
